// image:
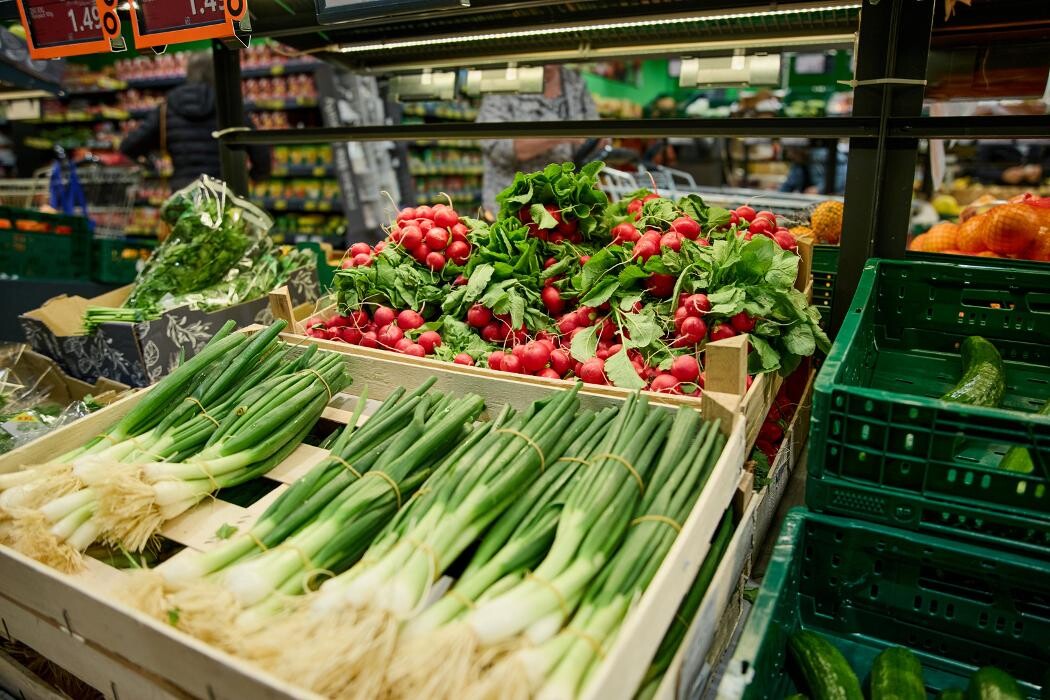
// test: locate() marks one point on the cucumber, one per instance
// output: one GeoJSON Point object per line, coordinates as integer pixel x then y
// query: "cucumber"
{"type": "Point", "coordinates": [1018, 459]}
{"type": "Point", "coordinates": [984, 380]}
{"type": "Point", "coordinates": [896, 674]}
{"type": "Point", "coordinates": [991, 683]}
{"type": "Point", "coordinates": [825, 670]}
{"type": "Point", "coordinates": [952, 694]}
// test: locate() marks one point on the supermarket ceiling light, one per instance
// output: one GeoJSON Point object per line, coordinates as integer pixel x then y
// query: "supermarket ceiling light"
{"type": "Point", "coordinates": [605, 26]}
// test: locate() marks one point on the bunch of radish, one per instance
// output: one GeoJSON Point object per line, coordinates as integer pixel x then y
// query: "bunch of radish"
{"type": "Point", "coordinates": [540, 358]}
{"type": "Point", "coordinates": [763, 223]}
{"type": "Point", "coordinates": [385, 329]}
{"type": "Point", "coordinates": [434, 236]}
{"type": "Point", "coordinates": [495, 328]}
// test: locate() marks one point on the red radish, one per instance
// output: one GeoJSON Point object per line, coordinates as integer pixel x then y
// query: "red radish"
{"type": "Point", "coordinates": [555, 213]}
{"type": "Point", "coordinates": [536, 357]}
{"type": "Point", "coordinates": [680, 315]}
{"type": "Point", "coordinates": [518, 351]}
{"type": "Point", "coordinates": [650, 196]}
{"type": "Point", "coordinates": [337, 321]}
{"type": "Point", "coordinates": [593, 371]}
{"type": "Point", "coordinates": [685, 226]}
{"type": "Point", "coordinates": [525, 215]}
{"type": "Point", "coordinates": [770, 431]}
{"type": "Point", "coordinates": [552, 300]}
{"type": "Point", "coordinates": [560, 362]}
{"type": "Point", "coordinates": [360, 249]}
{"type": "Point", "coordinates": [389, 336]}
{"type": "Point", "coordinates": [671, 240]}
{"type": "Point", "coordinates": [786, 241]}
{"type": "Point", "coordinates": [664, 383]}
{"type": "Point", "coordinates": [548, 373]}
{"type": "Point", "coordinates": [685, 368]}
{"type": "Point", "coordinates": [435, 261]}
{"type": "Point", "coordinates": [350, 335]}
{"type": "Point", "coordinates": [478, 316]}
{"type": "Point", "coordinates": [411, 237]}
{"type": "Point", "coordinates": [694, 327]}
{"type": "Point", "coordinates": [584, 259]}
{"type": "Point", "coordinates": [761, 226]}
{"type": "Point", "coordinates": [459, 281]}
{"type": "Point", "coordinates": [567, 324]}
{"type": "Point", "coordinates": [459, 232]}
{"type": "Point", "coordinates": [495, 360]}
{"type": "Point", "coordinates": [424, 212]}
{"type": "Point", "coordinates": [458, 252]}
{"type": "Point", "coordinates": [369, 340]}
{"type": "Point", "coordinates": [703, 242]}
{"type": "Point", "coordinates": [512, 364]}
{"type": "Point", "coordinates": [698, 304]}
{"type": "Point", "coordinates": [721, 331]}
{"type": "Point", "coordinates": [569, 227]}
{"type": "Point", "coordinates": [420, 252]}
{"type": "Point", "coordinates": [425, 225]}
{"type": "Point", "coordinates": [347, 264]}
{"type": "Point", "coordinates": [634, 206]}
{"type": "Point", "coordinates": [625, 233]}
{"type": "Point", "coordinates": [357, 318]}
{"type": "Point", "coordinates": [408, 320]}
{"type": "Point", "coordinates": [406, 214]}
{"type": "Point", "coordinates": [607, 330]}
{"type": "Point", "coordinates": [415, 349]}
{"type": "Point", "coordinates": [549, 263]}
{"type": "Point", "coordinates": [436, 238]}
{"type": "Point", "coordinates": [395, 235]}
{"type": "Point", "coordinates": [585, 316]}
{"type": "Point", "coordinates": [702, 379]}
{"type": "Point", "coordinates": [743, 322]}
{"type": "Point", "coordinates": [767, 215]}
{"type": "Point", "coordinates": [746, 213]}
{"type": "Point", "coordinates": [661, 286]}
{"type": "Point", "coordinates": [645, 249]}
{"type": "Point", "coordinates": [383, 316]}
{"type": "Point", "coordinates": [463, 359]}
{"type": "Point", "coordinates": [652, 235]}
{"type": "Point", "coordinates": [493, 332]}
{"type": "Point", "coordinates": [380, 246]}
{"type": "Point", "coordinates": [734, 218]}
{"type": "Point", "coordinates": [362, 260]}
{"type": "Point", "coordinates": [445, 217]}
{"type": "Point", "coordinates": [429, 340]}
{"type": "Point", "coordinates": [403, 344]}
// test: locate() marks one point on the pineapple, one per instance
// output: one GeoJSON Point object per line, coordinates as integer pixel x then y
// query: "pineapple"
{"type": "Point", "coordinates": [826, 221]}
{"type": "Point", "coordinates": [803, 232]}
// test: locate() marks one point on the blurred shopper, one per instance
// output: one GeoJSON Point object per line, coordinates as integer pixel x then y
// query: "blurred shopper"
{"type": "Point", "coordinates": [565, 97]}
{"type": "Point", "coordinates": [808, 167]}
{"type": "Point", "coordinates": [182, 127]}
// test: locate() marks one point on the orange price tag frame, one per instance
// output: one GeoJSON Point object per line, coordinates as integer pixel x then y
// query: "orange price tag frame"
{"type": "Point", "coordinates": [110, 39]}
{"type": "Point", "coordinates": [233, 26]}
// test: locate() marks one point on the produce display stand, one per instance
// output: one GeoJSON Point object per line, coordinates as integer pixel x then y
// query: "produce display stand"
{"type": "Point", "coordinates": [79, 620]}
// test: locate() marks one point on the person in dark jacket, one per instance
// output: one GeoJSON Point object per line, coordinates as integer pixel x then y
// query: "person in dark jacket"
{"type": "Point", "coordinates": [183, 126]}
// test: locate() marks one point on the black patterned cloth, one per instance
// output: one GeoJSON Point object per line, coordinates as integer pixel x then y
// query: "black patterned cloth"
{"type": "Point", "coordinates": [574, 103]}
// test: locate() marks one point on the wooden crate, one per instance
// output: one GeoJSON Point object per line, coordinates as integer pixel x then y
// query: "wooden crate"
{"type": "Point", "coordinates": [711, 629]}
{"type": "Point", "coordinates": [79, 620]}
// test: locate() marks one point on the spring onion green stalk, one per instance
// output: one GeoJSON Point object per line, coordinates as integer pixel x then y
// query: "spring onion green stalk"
{"type": "Point", "coordinates": [565, 661]}
{"type": "Point", "coordinates": [675, 634]}
{"type": "Point", "coordinates": [347, 633]}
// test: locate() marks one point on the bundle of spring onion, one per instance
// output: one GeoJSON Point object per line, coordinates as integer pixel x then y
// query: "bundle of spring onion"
{"type": "Point", "coordinates": [240, 407]}
{"type": "Point", "coordinates": [321, 524]}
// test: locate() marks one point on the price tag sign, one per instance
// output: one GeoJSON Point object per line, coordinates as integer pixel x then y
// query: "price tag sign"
{"type": "Point", "coordinates": [157, 23]}
{"type": "Point", "coordinates": [59, 28]}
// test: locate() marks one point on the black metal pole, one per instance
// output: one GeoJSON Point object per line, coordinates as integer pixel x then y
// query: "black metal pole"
{"type": "Point", "coordinates": [893, 44]}
{"type": "Point", "coordinates": [229, 113]}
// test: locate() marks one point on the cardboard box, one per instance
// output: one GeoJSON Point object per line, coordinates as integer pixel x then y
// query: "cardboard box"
{"type": "Point", "coordinates": [138, 354]}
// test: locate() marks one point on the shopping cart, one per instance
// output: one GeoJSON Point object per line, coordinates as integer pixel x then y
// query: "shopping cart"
{"type": "Point", "coordinates": [676, 183]}
{"type": "Point", "coordinates": [105, 195]}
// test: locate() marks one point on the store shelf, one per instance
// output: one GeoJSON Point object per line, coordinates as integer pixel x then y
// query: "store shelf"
{"type": "Point", "coordinates": [463, 196]}
{"type": "Point", "coordinates": [281, 104]}
{"type": "Point", "coordinates": [145, 83]}
{"type": "Point", "coordinates": [300, 204]}
{"type": "Point", "coordinates": [302, 171]}
{"type": "Point", "coordinates": [280, 69]}
{"type": "Point", "coordinates": [422, 170]}
{"type": "Point", "coordinates": [458, 145]}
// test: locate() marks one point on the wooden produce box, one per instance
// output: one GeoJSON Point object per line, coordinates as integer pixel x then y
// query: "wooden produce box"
{"type": "Point", "coordinates": [711, 629]}
{"type": "Point", "coordinates": [79, 621]}
{"type": "Point", "coordinates": [138, 354]}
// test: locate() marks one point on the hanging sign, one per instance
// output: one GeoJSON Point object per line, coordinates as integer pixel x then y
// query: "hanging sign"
{"type": "Point", "coordinates": [59, 28]}
{"type": "Point", "coordinates": [157, 23]}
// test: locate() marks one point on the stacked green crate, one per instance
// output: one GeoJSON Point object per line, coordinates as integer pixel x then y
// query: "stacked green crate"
{"type": "Point", "coordinates": [37, 245]}
{"type": "Point", "coordinates": [825, 267]}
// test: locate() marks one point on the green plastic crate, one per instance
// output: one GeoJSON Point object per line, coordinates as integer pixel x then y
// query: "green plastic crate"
{"type": "Point", "coordinates": [825, 267]}
{"type": "Point", "coordinates": [865, 587]}
{"type": "Point", "coordinates": [35, 245]}
{"type": "Point", "coordinates": [884, 447]}
{"type": "Point", "coordinates": [117, 259]}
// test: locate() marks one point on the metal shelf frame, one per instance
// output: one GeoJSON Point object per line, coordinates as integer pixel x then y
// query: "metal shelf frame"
{"type": "Point", "coordinates": [891, 53]}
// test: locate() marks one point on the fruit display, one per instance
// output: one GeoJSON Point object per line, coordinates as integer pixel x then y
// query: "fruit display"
{"type": "Point", "coordinates": [566, 284]}
{"type": "Point", "coordinates": [826, 222]}
{"type": "Point", "coordinates": [1018, 229]}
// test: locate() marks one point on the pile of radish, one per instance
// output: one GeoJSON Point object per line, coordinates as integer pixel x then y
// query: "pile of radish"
{"type": "Point", "coordinates": [566, 284]}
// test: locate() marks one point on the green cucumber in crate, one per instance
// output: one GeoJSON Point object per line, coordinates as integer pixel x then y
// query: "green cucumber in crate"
{"type": "Point", "coordinates": [827, 674]}
{"type": "Point", "coordinates": [991, 683]}
{"type": "Point", "coordinates": [1018, 459]}
{"type": "Point", "coordinates": [896, 674]}
{"type": "Point", "coordinates": [984, 380]}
